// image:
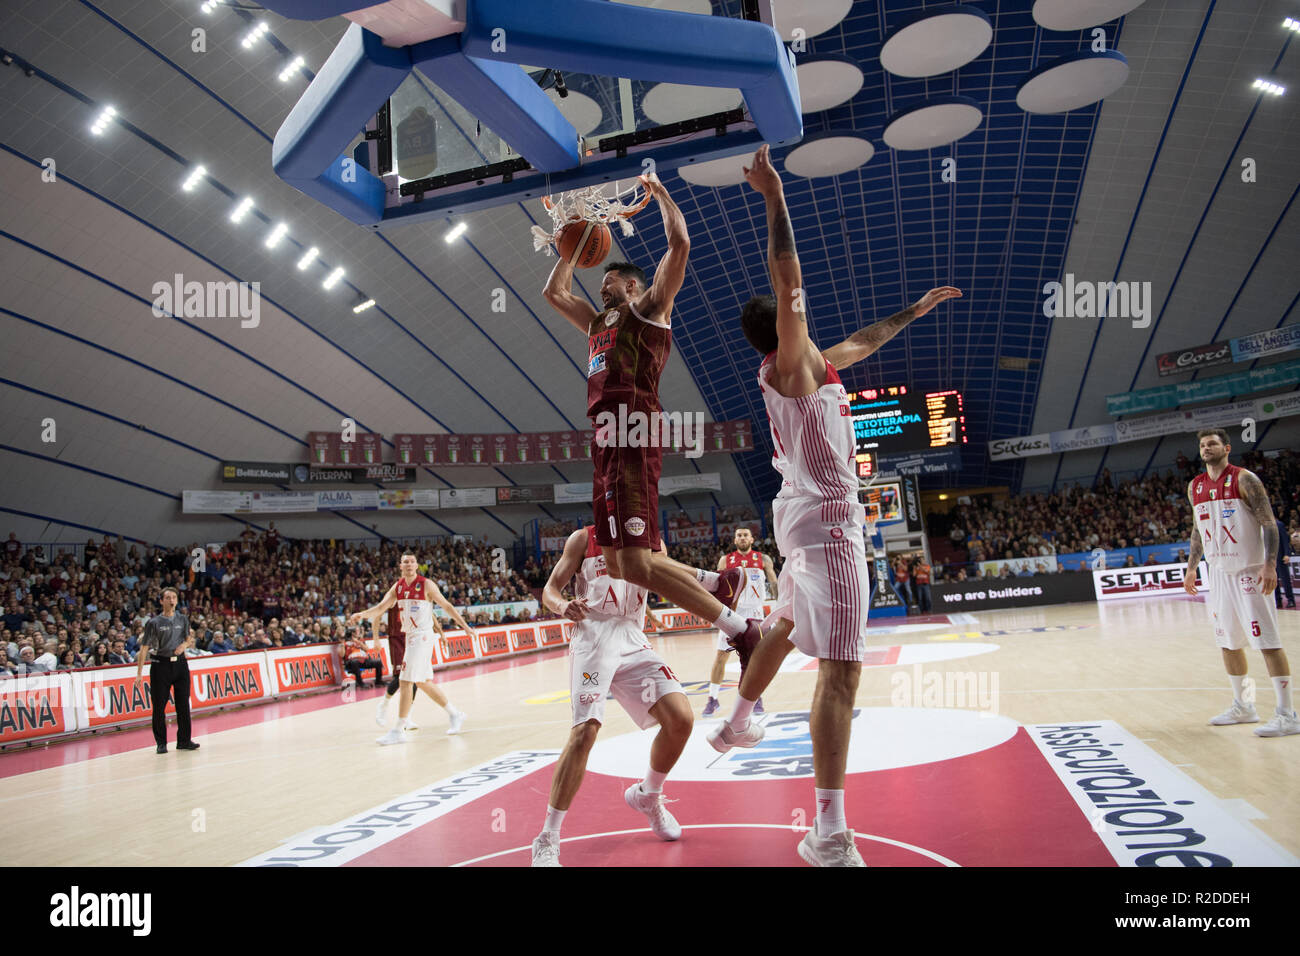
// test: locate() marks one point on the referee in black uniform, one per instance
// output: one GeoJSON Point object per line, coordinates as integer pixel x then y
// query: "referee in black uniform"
{"type": "Point", "coordinates": [167, 635]}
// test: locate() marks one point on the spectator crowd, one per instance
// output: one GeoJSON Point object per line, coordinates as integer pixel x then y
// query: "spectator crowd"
{"type": "Point", "coordinates": [258, 591]}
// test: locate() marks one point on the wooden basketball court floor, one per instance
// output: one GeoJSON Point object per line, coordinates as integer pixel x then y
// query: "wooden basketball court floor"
{"type": "Point", "coordinates": [1073, 735]}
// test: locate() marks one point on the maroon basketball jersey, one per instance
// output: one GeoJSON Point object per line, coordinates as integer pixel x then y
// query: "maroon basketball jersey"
{"type": "Point", "coordinates": [627, 354]}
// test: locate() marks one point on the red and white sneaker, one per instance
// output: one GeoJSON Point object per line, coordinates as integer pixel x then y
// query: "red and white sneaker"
{"type": "Point", "coordinates": [745, 642]}
{"type": "Point", "coordinates": [731, 583]}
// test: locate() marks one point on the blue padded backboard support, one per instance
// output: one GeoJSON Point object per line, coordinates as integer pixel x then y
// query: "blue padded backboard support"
{"type": "Point", "coordinates": [522, 115]}
{"type": "Point", "coordinates": [636, 43]}
{"type": "Point", "coordinates": [614, 39]}
{"type": "Point", "coordinates": [307, 153]}
{"type": "Point", "coordinates": [315, 9]}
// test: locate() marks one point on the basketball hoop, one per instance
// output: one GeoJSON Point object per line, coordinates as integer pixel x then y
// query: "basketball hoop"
{"type": "Point", "coordinates": [609, 203]}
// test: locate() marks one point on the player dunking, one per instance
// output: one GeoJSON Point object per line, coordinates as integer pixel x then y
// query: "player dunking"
{"type": "Point", "coordinates": [817, 519]}
{"type": "Point", "coordinates": [609, 656]}
{"type": "Point", "coordinates": [415, 595]}
{"type": "Point", "coordinates": [628, 345]}
{"type": "Point", "coordinates": [755, 567]}
{"type": "Point", "coordinates": [1234, 527]}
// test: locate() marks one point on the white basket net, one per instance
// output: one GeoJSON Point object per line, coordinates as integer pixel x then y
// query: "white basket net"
{"type": "Point", "coordinates": [610, 203]}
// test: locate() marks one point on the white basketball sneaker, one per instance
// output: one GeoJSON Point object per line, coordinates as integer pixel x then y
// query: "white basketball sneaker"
{"type": "Point", "coordinates": [457, 721]}
{"type": "Point", "coordinates": [1238, 713]}
{"type": "Point", "coordinates": [394, 736]}
{"type": "Point", "coordinates": [546, 849]}
{"type": "Point", "coordinates": [722, 738]}
{"type": "Point", "coordinates": [1282, 725]}
{"type": "Point", "coordinates": [381, 712]}
{"type": "Point", "coordinates": [838, 849]}
{"type": "Point", "coordinates": [662, 823]}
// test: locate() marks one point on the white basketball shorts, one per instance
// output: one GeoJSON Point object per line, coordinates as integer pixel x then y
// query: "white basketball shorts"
{"type": "Point", "coordinates": [614, 659]}
{"type": "Point", "coordinates": [824, 584]}
{"type": "Point", "coordinates": [1240, 611]}
{"type": "Point", "coordinates": [417, 665]}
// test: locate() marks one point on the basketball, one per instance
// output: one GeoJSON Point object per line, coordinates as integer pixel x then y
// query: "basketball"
{"type": "Point", "coordinates": [584, 244]}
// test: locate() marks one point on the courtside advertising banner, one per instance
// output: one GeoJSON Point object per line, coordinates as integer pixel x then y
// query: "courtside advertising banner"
{"type": "Point", "coordinates": [228, 679]}
{"type": "Point", "coordinates": [37, 706]}
{"type": "Point", "coordinates": [109, 695]}
{"type": "Point", "coordinates": [1154, 580]}
{"type": "Point", "coordinates": [305, 667]}
{"type": "Point", "coordinates": [1037, 590]}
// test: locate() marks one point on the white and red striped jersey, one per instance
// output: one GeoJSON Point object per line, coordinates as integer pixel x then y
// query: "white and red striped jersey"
{"type": "Point", "coordinates": [813, 438]}
{"type": "Point", "coordinates": [755, 593]}
{"type": "Point", "coordinates": [608, 599]}
{"type": "Point", "coordinates": [1230, 533]}
{"type": "Point", "coordinates": [415, 604]}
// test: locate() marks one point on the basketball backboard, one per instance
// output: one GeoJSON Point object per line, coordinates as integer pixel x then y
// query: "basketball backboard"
{"type": "Point", "coordinates": [431, 149]}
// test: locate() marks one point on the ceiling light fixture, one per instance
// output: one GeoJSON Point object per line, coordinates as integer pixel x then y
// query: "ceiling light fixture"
{"type": "Point", "coordinates": [308, 257]}
{"type": "Point", "coordinates": [368, 304]}
{"type": "Point", "coordinates": [1266, 86]}
{"type": "Point", "coordinates": [296, 64]}
{"type": "Point", "coordinates": [333, 278]}
{"type": "Point", "coordinates": [456, 231]}
{"type": "Point", "coordinates": [241, 210]}
{"type": "Point", "coordinates": [1291, 23]}
{"type": "Point", "coordinates": [278, 233]}
{"type": "Point", "coordinates": [254, 35]}
{"type": "Point", "coordinates": [102, 120]}
{"type": "Point", "coordinates": [194, 178]}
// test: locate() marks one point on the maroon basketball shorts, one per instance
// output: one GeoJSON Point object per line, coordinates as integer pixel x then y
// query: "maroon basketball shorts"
{"type": "Point", "coordinates": [397, 650]}
{"type": "Point", "coordinates": [625, 496]}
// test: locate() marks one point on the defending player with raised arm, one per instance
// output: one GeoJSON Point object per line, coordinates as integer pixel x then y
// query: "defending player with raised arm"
{"type": "Point", "coordinates": [1233, 526]}
{"type": "Point", "coordinates": [756, 567]}
{"type": "Point", "coordinates": [609, 656]}
{"type": "Point", "coordinates": [415, 596]}
{"type": "Point", "coordinates": [817, 519]}
{"type": "Point", "coordinates": [628, 346]}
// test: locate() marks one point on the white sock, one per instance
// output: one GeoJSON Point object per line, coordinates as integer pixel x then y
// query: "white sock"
{"type": "Point", "coordinates": [709, 579]}
{"type": "Point", "coordinates": [554, 818]}
{"type": "Point", "coordinates": [654, 781]}
{"type": "Point", "coordinates": [830, 812]}
{"type": "Point", "coordinates": [731, 623]}
{"type": "Point", "coordinates": [715, 690]}
{"type": "Point", "coordinates": [403, 723]}
{"type": "Point", "coordinates": [740, 713]}
{"type": "Point", "coordinates": [1237, 681]}
{"type": "Point", "coordinates": [1282, 687]}
{"type": "Point", "coordinates": [450, 708]}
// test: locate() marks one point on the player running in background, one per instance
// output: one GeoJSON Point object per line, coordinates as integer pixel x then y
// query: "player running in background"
{"type": "Point", "coordinates": [817, 520]}
{"type": "Point", "coordinates": [415, 595]}
{"type": "Point", "coordinates": [609, 656]}
{"type": "Point", "coordinates": [1233, 526]}
{"type": "Point", "coordinates": [756, 567]}
{"type": "Point", "coordinates": [628, 346]}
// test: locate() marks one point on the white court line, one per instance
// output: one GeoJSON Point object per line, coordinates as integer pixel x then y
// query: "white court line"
{"type": "Point", "coordinates": [723, 826]}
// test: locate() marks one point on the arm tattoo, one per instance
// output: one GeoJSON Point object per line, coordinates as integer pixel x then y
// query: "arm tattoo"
{"type": "Point", "coordinates": [780, 240]}
{"type": "Point", "coordinates": [1256, 498]}
{"type": "Point", "coordinates": [877, 334]}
